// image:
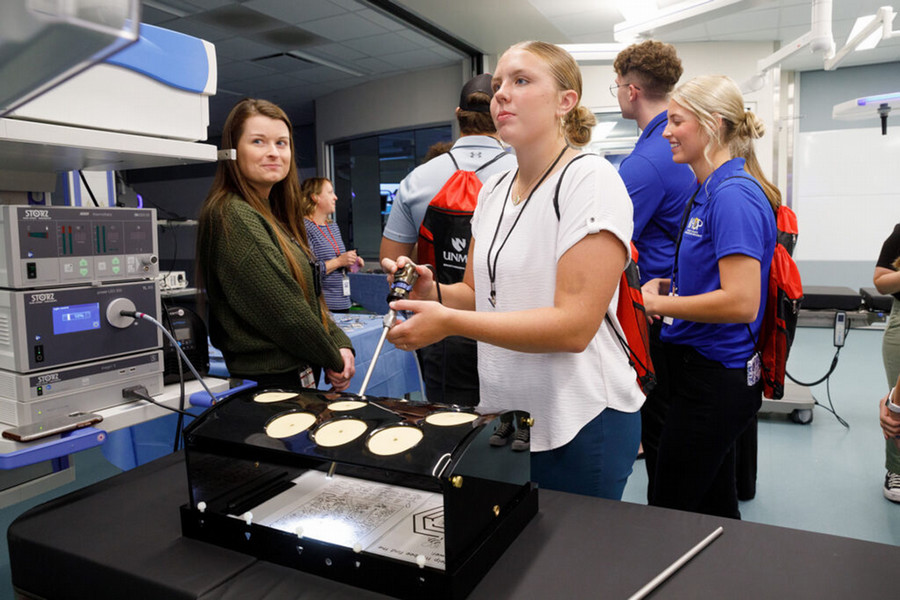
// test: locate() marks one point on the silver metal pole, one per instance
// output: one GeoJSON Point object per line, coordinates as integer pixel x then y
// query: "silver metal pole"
{"type": "Point", "coordinates": [388, 321]}
{"type": "Point", "coordinates": [676, 565]}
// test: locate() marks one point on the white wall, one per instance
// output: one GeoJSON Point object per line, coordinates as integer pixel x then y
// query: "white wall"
{"type": "Point", "coordinates": [409, 100]}
{"type": "Point", "coordinates": [846, 180]}
{"type": "Point", "coordinates": [847, 193]}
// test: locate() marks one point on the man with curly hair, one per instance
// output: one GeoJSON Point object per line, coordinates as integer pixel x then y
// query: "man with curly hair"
{"type": "Point", "coordinates": [660, 188]}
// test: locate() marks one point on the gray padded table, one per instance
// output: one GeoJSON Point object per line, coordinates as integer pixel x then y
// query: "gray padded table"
{"type": "Point", "coordinates": [121, 538]}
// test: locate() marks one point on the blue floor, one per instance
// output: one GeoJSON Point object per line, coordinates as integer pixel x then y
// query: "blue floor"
{"type": "Point", "coordinates": [822, 476]}
{"type": "Point", "coordinates": [819, 477]}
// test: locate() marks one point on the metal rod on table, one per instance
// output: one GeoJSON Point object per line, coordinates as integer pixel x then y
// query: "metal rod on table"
{"type": "Point", "coordinates": [676, 565]}
{"type": "Point", "coordinates": [387, 321]}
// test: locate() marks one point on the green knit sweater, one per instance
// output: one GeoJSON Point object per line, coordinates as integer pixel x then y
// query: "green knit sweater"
{"type": "Point", "coordinates": [258, 315]}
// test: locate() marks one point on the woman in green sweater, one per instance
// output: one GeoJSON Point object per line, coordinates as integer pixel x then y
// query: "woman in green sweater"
{"type": "Point", "coordinates": [266, 313]}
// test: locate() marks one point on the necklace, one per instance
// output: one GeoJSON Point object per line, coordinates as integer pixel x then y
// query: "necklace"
{"type": "Point", "coordinates": [492, 268]}
{"type": "Point", "coordinates": [518, 197]}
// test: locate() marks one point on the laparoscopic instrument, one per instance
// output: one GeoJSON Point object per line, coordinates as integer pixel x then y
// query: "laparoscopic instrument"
{"type": "Point", "coordinates": [404, 280]}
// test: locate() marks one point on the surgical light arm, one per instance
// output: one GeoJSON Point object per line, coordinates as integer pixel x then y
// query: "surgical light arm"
{"type": "Point", "coordinates": [819, 39]}
{"type": "Point", "coordinates": [883, 20]}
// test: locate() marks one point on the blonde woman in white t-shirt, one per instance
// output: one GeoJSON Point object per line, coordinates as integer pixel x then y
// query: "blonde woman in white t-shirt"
{"type": "Point", "coordinates": [537, 285]}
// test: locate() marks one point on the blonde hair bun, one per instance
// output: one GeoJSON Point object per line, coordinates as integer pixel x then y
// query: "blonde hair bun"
{"type": "Point", "coordinates": [579, 123]}
{"type": "Point", "coordinates": [751, 126]}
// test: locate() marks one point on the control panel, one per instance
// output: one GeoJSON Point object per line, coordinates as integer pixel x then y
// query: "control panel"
{"type": "Point", "coordinates": [32, 397]}
{"type": "Point", "coordinates": [56, 246]}
{"type": "Point", "coordinates": [45, 329]}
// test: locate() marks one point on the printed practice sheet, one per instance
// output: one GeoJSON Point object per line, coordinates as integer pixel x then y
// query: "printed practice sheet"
{"type": "Point", "coordinates": [378, 518]}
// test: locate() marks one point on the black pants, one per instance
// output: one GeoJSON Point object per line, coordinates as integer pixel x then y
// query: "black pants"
{"type": "Point", "coordinates": [709, 407]}
{"type": "Point", "coordinates": [653, 412]}
{"type": "Point", "coordinates": [450, 371]}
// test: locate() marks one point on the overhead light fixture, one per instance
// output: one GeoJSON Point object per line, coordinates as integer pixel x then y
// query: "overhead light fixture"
{"type": "Point", "coordinates": [633, 10]}
{"type": "Point", "coordinates": [593, 53]}
{"type": "Point", "coordinates": [664, 16]}
{"type": "Point", "coordinates": [868, 107]}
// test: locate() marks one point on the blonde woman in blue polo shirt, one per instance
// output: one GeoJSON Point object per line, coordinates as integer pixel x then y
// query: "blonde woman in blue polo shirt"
{"type": "Point", "coordinates": [714, 302]}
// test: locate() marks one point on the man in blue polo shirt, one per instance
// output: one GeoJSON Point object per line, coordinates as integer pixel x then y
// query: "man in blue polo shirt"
{"type": "Point", "coordinates": [659, 188]}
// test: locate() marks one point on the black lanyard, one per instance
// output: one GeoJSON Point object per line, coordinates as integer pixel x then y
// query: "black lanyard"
{"type": "Point", "coordinates": [492, 270]}
{"type": "Point", "coordinates": [684, 218]}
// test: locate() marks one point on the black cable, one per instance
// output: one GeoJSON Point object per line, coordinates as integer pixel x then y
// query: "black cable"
{"type": "Point", "coordinates": [827, 379]}
{"type": "Point", "coordinates": [140, 315]}
{"type": "Point", "coordinates": [131, 393]}
{"type": "Point", "coordinates": [834, 362]}
{"type": "Point", "coordinates": [179, 424]}
{"type": "Point", "coordinates": [171, 215]}
{"type": "Point", "coordinates": [88, 188]}
{"type": "Point", "coordinates": [831, 410]}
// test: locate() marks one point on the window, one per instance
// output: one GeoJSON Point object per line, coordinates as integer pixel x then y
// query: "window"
{"type": "Point", "coordinates": [614, 136]}
{"type": "Point", "coordinates": [367, 172]}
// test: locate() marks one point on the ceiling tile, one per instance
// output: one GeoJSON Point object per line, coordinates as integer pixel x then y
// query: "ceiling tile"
{"type": "Point", "coordinates": [176, 8]}
{"type": "Point", "coordinates": [584, 23]}
{"type": "Point", "coordinates": [296, 11]}
{"type": "Point", "coordinates": [416, 38]}
{"type": "Point", "coordinates": [794, 16]}
{"type": "Point", "coordinates": [153, 16]}
{"type": "Point", "coordinates": [757, 21]}
{"type": "Point", "coordinates": [338, 51]}
{"type": "Point", "coordinates": [208, 4]}
{"type": "Point", "coordinates": [317, 74]}
{"type": "Point", "coordinates": [204, 31]}
{"type": "Point", "coordinates": [289, 37]}
{"type": "Point", "coordinates": [351, 5]}
{"type": "Point", "coordinates": [270, 82]}
{"type": "Point", "coordinates": [790, 33]}
{"type": "Point", "coordinates": [375, 66]}
{"type": "Point", "coordinates": [853, 10]}
{"type": "Point", "coordinates": [563, 8]}
{"type": "Point", "coordinates": [696, 33]}
{"type": "Point", "coordinates": [382, 20]}
{"type": "Point", "coordinates": [239, 19]}
{"type": "Point", "coordinates": [283, 63]}
{"type": "Point", "coordinates": [378, 45]}
{"type": "Point", "coordinates": [418, 59]}
{"type": "Point", "coordinates": [244, 49]}
{"type": "Point", "coordinates": [239, 71]}
{"type": "Point", "coordinates": [448, 53]}
{"type": "Point", "coordinates": [344, 27]}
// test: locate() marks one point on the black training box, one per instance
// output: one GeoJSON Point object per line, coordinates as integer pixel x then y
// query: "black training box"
{"type": "Point", "coordinates": [404, 498]}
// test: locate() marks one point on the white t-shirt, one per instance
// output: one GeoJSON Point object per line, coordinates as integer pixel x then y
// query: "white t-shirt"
{"type": "Point", "coordinates": [563, 391]}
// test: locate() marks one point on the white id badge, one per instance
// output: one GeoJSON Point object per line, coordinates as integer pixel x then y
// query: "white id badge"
{"type": "Point", "coordinates": [345, 281]}
{"type": "Point", "coordinates": [754, 369]}
{"type": "Point", "coordinates": [306, 378]}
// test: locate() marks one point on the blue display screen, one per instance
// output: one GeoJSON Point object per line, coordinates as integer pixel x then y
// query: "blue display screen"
{"type": "Point", "coordinates": [78, 317]}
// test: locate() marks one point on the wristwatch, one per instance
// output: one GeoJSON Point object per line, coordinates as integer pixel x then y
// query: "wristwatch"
{"type": "Point", "coordinates": [890, 403]}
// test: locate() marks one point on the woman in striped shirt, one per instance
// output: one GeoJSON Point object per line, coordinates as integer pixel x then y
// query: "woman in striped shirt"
{"type": "Point", "coordinates": [318, 201]}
